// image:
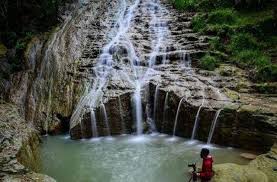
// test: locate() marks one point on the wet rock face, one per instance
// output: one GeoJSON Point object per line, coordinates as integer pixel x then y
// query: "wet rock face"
{"type": "Point", "coordinates": [64, 65]}
{"type": "Point", "coordinates": [175, 75]}
{"type": "Point", "coordinates": [119, 117]}
{"type": "Point", "coordinates": [19, 149]}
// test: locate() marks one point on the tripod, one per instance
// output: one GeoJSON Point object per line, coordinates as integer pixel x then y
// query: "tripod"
{"type": "Point", "coordinates": [193, 177]}
{"type": "Point", "coordinates": [194, 174]}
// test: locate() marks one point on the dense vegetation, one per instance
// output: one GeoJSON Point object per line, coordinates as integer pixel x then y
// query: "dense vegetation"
{"type": "Point", "coordinates": [244, 32]}
{"type": "Point", "coordinates": [19, 21]}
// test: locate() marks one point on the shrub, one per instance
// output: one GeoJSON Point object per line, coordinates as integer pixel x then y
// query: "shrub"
{"type": "Point", "coordinates": [184, 4]}
{"type": "Point", "coordinates": [208, 63]}
{"type": "Point", "coordinates": [207, 5]}
{"type": "Point", "coordinates": [222, 16]}
{"type": "Point", "coordinates": [216, 44]}
{"type": "Point", "coordinates": [267, 73]}
{"type": "Point", "coordinates": [243, 41]}
{"type": "Point", "coordinates": [251, 59]}
{"type": "Point", "coordinates": [198, 23]}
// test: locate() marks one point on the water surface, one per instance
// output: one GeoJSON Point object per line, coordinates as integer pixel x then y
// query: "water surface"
{"type": "Point", "coordinates": [147, 158]}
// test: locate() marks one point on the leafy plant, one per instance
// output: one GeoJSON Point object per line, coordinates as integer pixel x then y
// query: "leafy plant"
{"type": "Point", "coordinates": [222, 16]}
{"type": "Point", "coordinates": [243, 41]}
{"type": "Point", "coordinates": [251, 59]}
{"type": "Point", "coordinates": [185, 4]}
{"type": "Point", "coordinates": [198, 23]}
{"type": "Point", "coordinates": [208, 63]}
{"type": "Point", "coordinates": [267, 73]}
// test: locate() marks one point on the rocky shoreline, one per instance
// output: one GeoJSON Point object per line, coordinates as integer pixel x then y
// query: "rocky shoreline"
{"type": "Point", "coordinates": [261, 169]}
{"type": "Point", "coordinates": [19, 149]}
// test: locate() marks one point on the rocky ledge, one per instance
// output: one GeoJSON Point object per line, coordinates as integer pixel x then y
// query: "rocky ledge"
{"type": "Point", "coordinates": [19, 148]}
{"type": "Point", "coordinates": [262, 169]}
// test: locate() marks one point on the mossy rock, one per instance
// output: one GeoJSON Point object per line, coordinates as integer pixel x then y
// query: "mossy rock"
{"type": "Point", "coordinates": [250, 109]}
{"type": "Point", "coordinates": [233, 173]}
{"type": "Point", "coordinates": [232, 94]}
{"type": "Point", "coordinates": [226, 70]}
{"type": "Point", "coordinates": [266, 88]}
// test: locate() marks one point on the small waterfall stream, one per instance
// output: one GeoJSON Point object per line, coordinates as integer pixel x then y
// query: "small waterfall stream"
{"type": "Point", "coordinates": [138, 109]}
{"type": "Point", "coordinates": [93, 123]}
{"type": "Point", "coordinates": [213, 126]}
{"type": "Point", "coordinates": [104, 115]}
{"type": "Point", "coordinates": [155, 102]}
{"type": "Point", "coordinates": [177, 114]}
{"type": "Point", "coordinates": [197, 118]}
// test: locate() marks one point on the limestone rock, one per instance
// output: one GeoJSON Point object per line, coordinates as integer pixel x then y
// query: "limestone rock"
{"type": "Point", "coordinates": [248, 156]}
{"type": "Point", "coordinates": [267, 163]}
{"type": "Point", "coordinates": [233, 173]}
{"type": "Point", "coordinates": [19, 154]}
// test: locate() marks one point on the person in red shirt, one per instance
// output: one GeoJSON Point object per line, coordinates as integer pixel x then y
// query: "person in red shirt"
{"type": "Point", "coordinates": [207, 166]}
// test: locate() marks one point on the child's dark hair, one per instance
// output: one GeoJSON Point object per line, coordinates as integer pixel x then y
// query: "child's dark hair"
{"type": "Point", "coordinates": [205, 152]}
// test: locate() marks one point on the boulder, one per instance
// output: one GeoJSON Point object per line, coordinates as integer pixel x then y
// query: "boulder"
{"type": "Point", "coordinates": [238, 173]}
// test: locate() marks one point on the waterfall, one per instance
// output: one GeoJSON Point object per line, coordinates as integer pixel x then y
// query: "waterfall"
{"type": "Point", "coordinates": [138, 109]}
{"type": "Point", "coordinates": [123, 127]}
{"type": "Point", "coordinates": [105, 60]}
{"type": "Point", "coordinates": [165, 110]}
{"type": "Point", "coordinates": [177, 114]}
{"type": "Point", "coordinates": [104, 114]}
{"type": "Point", "coordinates": [213, 126]}
{"type": "Point", "coordinates": [155, 102]}
{"type": "Point", "coordinates": [197, 119]}
{"type": "Point", "coordinates": [93, 123]}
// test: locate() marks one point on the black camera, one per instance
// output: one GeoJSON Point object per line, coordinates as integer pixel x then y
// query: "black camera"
{"type": "Point", "coordinates": [191, 165]}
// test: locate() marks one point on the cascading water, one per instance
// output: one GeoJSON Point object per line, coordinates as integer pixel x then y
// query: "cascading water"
{"type": "Point", "coordinates": [138, 109]}
{"type": "Point", "coordinates": [93, 123]}
{"type": "Point", "coordinates": [133, 71]}
{"type": "Point", "coordinates": [213, 126]}
{"type": "Point", "coordinates": [177, 114]}
{"type": "Point", "coordinates": [197, 118]}
{"type": "Point", "coordinates": [155, 102]}
{"type": "Point", "coordinates": [105, 117]}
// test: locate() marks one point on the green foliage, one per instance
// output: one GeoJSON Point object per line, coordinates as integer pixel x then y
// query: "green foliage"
{"type": "Point", "coordinates": [251, 59]}
{"type": "Point", "coordinates": [184, 4]}
{"type": "Point", "coordinates": [243, 41]}
{"type": "Point", "coordinates": [245, 30]}
{"type": "Point", "coordinates": [222, 16]}
{"type": "Point", "coordinates": [266, 88]}
{"type": "Point", "coordinates": [207, 5]}
{"type": "Point", "coordinates": [267, 73]}
{"type": "Point", "coordinates": [208, 63]}
{"type": "Point", "coordinates": [198, 23]}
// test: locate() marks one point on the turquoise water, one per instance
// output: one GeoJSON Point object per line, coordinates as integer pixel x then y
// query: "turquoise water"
{"type": "Point", "coordinates": [147, 158]}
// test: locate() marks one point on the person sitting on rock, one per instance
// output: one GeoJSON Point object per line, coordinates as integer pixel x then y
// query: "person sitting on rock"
{"type": "Point", "coordinates": [206, 172]}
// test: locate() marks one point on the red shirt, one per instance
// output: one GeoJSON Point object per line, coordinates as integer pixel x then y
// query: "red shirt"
{"type": "Point", "coordinates": [207, 168]}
